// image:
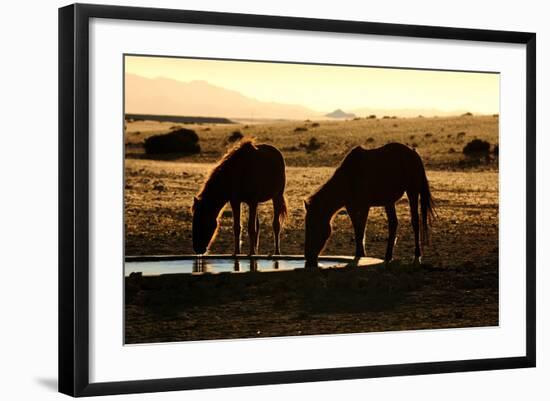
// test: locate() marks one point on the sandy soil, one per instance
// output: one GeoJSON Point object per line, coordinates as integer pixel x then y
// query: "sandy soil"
{"type": "Point", "coordinates": [458, 286]}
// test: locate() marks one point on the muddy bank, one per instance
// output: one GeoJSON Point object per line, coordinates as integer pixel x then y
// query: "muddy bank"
{"type": "Point", "coordinates": [184, 307]}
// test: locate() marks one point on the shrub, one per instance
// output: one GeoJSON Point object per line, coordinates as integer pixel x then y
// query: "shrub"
{"type": "Point", "coordinates": [312, 145]}
{"type": "Point", "coordinates": [235, 136]}
{"type": "Point", "coordinates": [386, 117]}
{"type": "Point", "coordinates": [372, 116]}
{"type": "Point", "coordinates": [461, 134]}
{"type": "Point", "coordinates": [452, 150]}
{"type": "Point", "coordinates": [315, 125]}
{"type": "Point", "coordinates": [477, 147]}
{"type": "Point", "coordinates": [468, 114]}
{"type": "Point", "coordinates": [179, 141]}
{"type": "Point", "coordinates": [428, 134]}
{"type": "Point", "coordinates": [300, 129]}
{"type": "Point", "coordinates": [370, 140]}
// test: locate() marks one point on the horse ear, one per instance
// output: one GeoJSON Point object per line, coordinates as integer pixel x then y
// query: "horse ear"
{"type": "Point", "coordinates": [306, 204]}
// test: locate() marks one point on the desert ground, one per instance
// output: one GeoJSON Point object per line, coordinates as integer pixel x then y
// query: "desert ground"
{"type": "Point", "coordinates": [457, 286]}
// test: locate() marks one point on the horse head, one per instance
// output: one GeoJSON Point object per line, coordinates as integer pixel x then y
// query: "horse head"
{"type": "Point", "coordinates": [205, 224]}
{"type": "Point", "coordinates": [317, 233]}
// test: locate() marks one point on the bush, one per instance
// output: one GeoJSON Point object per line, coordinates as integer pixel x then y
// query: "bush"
{"type": "Point", "coordinates": [386, 117]}
{"type": "Point", "coordinates": [179, 141]}
{"type": "Point", "coordinates": [312, 145]}
{"type": "Point", "coordinates": [300, 129]}
{"type": "Point", "coordinates": [315, 125]}
{"type": "Point", "coordinates": [235, 136]}
{"type": "Point", "coordinates": [370, 140]}
{"type": "Point", "coordinates": [372, 116]}
{"type": "Point", "coordinates": [477, 147]}
{"type": "Point", "coordinates": [468, 114]}
{"type": "Point", "coordinates": [428, 134]}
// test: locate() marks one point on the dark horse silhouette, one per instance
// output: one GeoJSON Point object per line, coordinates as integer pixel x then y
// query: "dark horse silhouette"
{"type": "Point", "coordinates": [248, 173]}
{"type": "Point", "coordinates": [365, 178]}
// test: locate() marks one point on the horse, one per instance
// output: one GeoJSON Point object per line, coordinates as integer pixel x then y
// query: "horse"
{"type": "Point", "coordinates": [364, 179]}
{"type": "Point", "coordinates": [249, 173]}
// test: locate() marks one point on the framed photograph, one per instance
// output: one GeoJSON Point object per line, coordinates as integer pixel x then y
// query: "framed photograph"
{"type": "Point", "coordinates": [251, 199]}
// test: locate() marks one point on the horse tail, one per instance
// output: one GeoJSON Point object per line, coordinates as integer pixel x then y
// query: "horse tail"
{"type": "Point", "coordinates": [427, 209]}
{"type": "Point", "coordinates": [283, 210]}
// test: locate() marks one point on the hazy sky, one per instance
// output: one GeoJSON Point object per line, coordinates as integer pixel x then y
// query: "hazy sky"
{"type": "Point", "coordinates": [325, 88]}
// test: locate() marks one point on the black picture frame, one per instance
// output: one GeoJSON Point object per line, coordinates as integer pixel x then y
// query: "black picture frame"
{"type": "Point", "coordinates": [74, 198]}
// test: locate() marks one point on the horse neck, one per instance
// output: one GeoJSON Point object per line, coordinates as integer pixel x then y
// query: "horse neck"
{"type": "Point", "coordinates": [329, 199]}
{"type": "Point", "coordinates": [217, 191]}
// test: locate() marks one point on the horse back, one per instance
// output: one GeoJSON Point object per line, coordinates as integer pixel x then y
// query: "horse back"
{"type": "Point", "coordinates": [381, 176]}
{"type": "Point", "coordinates": [261, 175]}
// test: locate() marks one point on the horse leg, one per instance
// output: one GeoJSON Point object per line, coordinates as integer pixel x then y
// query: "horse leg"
{"type": "Point", "coordinates": [392, 228]}
{"type": "Point", "coordinates": [252, 223]}
{"type": "Point", "coordinates": [236, 209]}
{"type": "Point", "coordinates": [257, 247]}
{"type": "Point", "coordinates": [413, 203]}
{"type": "Point", "coordinates": [277, 206]}
{"type": "Point", "coordinates": [359, 222]}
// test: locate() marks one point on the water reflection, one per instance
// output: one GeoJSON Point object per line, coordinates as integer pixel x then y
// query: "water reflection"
{"type": "Point", "coordinates": [211, 265]}
{"type": "Point", "coordinates": [201, 265]}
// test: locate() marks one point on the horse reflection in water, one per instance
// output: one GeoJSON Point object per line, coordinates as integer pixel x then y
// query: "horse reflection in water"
{"type": "Point", "coordinates": [252, 265]}
{"type": "Point", "coordinates": [200, 265]}
{"type": "Point", "coordinates": [203, 265]}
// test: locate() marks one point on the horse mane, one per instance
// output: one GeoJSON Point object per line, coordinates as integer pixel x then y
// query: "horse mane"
{"type": "Point", "coordinates": [346, 166]}
{"type": "Point", "coordinates": [244, 146]}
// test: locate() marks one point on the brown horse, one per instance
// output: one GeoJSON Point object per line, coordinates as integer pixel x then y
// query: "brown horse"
{"type": "Point", "coordinates": [366, 178]}
{"type": "Point", "coordinates": [248, 173]}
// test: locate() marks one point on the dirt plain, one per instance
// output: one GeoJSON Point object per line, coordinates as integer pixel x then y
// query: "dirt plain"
{"type": "Point", "coordinates": [456, 287]}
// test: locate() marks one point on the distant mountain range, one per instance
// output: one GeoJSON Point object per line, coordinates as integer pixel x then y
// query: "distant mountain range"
{"type": "Point", "coordinates": [163, 96]}
{"type": "Point", "coordinates": [200, 98]}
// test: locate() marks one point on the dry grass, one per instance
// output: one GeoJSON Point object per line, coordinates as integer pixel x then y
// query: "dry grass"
{"type": "Point", "coordinates": [457, 288]}
{"type": "Point", "coordinates": [432, 137]}
{"type": "Point", "coordinates": [159, 197]}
